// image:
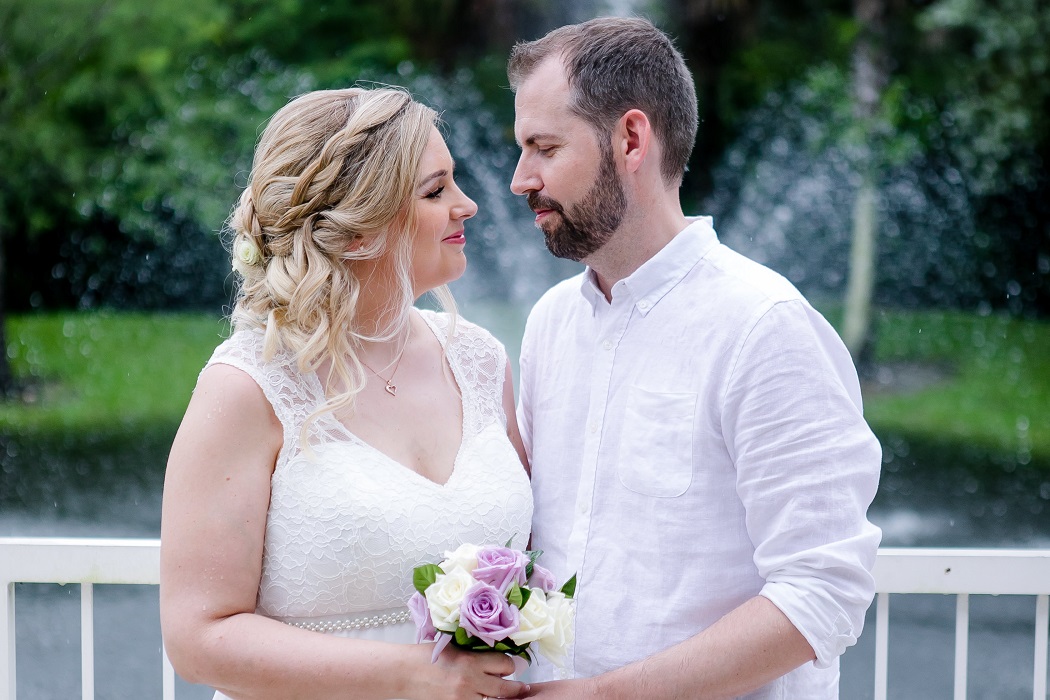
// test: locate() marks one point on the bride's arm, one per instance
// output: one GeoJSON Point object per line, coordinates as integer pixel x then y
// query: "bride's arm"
{"type": "Point", "coordinates": [216, 495]}
{"type": "Point", "coordinates": [512, 420]}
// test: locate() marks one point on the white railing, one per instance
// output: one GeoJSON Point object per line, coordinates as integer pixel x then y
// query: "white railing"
{"type": "Point", "coordinates": [962, 572]}
{"type": "Point", "coordinates": [959, 572]}
{"type": "Point", "coordinates": [83, 561]}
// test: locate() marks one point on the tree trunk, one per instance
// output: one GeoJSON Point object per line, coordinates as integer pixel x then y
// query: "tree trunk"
{"type": "Point", "coordinates": [856, 327]}
{"type": "Point", "coordinates": [869, 81]}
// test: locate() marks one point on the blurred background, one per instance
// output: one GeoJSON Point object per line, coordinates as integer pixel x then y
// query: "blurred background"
{"type": "Point", "coordinates": [888, 156]}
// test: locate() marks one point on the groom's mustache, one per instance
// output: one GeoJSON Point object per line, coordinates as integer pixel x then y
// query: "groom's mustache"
{"type": "Point", "coordinates": [538, 202]}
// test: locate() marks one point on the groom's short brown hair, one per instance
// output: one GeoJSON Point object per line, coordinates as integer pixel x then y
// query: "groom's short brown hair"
{"type": "Point", "coordinates": [615, 64]}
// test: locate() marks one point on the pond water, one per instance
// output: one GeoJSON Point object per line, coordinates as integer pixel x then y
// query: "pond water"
{"type": "Point", "coordinates": [915, 508]}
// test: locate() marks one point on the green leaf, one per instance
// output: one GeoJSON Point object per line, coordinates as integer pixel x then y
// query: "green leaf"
{"type": "Point", "coordinates": [526, 593]}
{"type": "Point", "coordinates": [462, 638]}
{"type": "Point", "coordinates": [514, 596]}
{"type": "Point", "coordinates": [533, 555]}
{"type": "Point", "coordinates": [569, 589]}
{"type": "Point", "coordinates": [423, 576]}
{"type": "Point", "coordinates": [518, 648]}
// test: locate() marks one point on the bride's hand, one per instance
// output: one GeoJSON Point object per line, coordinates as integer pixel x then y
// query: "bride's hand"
{"type": "Point", "coordinates": [465, 675]}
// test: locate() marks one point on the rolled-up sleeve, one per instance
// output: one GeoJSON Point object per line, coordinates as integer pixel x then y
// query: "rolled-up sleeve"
{"type": "Point", "coordinates": [807, 470]}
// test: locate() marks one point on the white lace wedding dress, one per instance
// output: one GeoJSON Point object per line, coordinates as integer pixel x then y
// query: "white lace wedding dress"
{"type": "Point", "coordinates": [347, 524]}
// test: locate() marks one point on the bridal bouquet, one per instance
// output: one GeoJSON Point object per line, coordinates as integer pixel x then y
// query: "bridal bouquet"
{"type": "Point", "coordinates": [489, 598]}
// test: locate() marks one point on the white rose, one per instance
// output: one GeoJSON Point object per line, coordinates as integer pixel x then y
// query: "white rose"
{"type": "Point", "coordinates": [245, 254]}
{"type": "Point", "coordinates": [465, 557]}
{"type": "Point", "coordinates": [444, 597]}
{"type": "Point", "coordinates": [535, 619]}
{"type": "Point", "coordinates": [556, 643]}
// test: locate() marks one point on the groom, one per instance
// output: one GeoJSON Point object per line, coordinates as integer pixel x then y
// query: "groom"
{"type": "Point", "coordinates": [699, 457]}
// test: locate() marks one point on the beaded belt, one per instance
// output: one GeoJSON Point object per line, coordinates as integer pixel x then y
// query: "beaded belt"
{"type": "Point", "coordinates": [365, 621]}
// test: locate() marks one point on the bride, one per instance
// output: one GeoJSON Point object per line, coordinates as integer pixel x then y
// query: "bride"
{"type": "Point", "coordinates": [339, 437]}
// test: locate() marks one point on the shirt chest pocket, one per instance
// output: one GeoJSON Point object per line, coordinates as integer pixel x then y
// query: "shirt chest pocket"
{"type": "Point", "coordinates": [656, 442]}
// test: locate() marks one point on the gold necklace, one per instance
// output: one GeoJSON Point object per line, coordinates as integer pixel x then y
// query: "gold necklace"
{"type": "Point", "coordinates": [390, 387]}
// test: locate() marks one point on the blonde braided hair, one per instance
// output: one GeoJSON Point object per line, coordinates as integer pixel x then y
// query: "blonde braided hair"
{"type": "Point", "coordinates": [332, 183]}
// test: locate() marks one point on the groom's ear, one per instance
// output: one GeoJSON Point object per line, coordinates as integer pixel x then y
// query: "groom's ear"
{"type": "Point", "coordinates": [633, 139]}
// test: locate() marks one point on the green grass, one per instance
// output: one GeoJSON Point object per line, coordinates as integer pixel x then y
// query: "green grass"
{"type": "Point", "coordinates": [99, 371]}
{"type": "Point", "coordinates": [115, 373]}
{"type": "Point", "coordinates": [995, 393]}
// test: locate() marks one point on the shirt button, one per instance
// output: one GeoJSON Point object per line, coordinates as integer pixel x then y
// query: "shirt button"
{"type": "Point", "coordinates": [643, 305]}
{"type": "Point", "coordinates": [607, 345]}
{"type": "Point", "coordinates": [583, 508]}
{"type": "Point", "coordinates": [593, 427]}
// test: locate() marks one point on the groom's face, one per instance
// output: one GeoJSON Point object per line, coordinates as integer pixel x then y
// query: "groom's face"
{"type": "Point", "coordinates": [565, 170]}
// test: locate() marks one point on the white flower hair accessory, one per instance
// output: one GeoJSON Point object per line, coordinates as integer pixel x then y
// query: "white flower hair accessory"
{"type": "Point", "coordinates": [245, 254]}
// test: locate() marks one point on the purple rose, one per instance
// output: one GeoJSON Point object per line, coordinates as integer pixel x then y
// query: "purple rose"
{"type": "Point", "coordinates": [501, 567]}
{"type": "Point", "coordinates": [420, 612]}
{"type": "Point", "coordinates": [542, 579]}
{"type": "Point", "coordinates": [487, 615]}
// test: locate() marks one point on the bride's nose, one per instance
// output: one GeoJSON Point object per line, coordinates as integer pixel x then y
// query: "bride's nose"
{"type": "Point", "coordinates": [465, 207]}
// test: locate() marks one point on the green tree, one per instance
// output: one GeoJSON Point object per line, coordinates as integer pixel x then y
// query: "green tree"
{"type": "Point", "coordinates": [994, 90]}
{"type": "Point", "coordinates": [994, 75]}
{"type": "Point", "coordinates": [944, 160]}
{"type": "Point", "coordinates": [124, 124]}
{"type": "Point", "coordinates": [80, 84]}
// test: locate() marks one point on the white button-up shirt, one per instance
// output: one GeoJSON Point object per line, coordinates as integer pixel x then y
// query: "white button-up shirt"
{"type": "Point", "coordinates": [695, 442]}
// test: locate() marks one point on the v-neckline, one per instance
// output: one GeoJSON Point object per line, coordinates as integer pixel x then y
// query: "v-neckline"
{"type": "Point", "coordinates": [447, 358]}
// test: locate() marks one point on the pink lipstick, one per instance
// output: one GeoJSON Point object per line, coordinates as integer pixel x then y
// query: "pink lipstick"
{"type": "Point", "coordinates": [456, 238]}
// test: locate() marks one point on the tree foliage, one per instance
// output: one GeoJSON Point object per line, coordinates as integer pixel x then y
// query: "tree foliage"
{"type": "Point", "coordinates": [126, 128]}
{"type": "Point", "coordinates": [996, 88]}
{"type": "Point", "coordinates": [88, 99]}
{"type": "Point", "coordinates": [960, 140]}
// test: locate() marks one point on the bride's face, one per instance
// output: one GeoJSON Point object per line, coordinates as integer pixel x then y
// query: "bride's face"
{"type": "Point", "coordinates": [441, 209]}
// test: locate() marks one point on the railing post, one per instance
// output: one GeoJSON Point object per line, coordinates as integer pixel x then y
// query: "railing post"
{"type": "Point", "coordinates": [7, 642]}
{"type": "Point", "coordinates": [1042, 631]}
{"type": "Point", "coordinates": [169, 675]}
{"type": "Point", "coordinates": [962, 643]}
{"type": "Point", "coordinates": [882, 632]}
{"type": "Point", "coordinates": [87, 641]}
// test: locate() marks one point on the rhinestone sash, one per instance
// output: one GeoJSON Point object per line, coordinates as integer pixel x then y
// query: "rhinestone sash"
{"type": "Point", "coordinates": [366, 621]}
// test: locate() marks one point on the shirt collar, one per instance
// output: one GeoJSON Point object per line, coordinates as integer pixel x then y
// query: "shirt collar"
{"type": "Point", "coordinates": [661, 273]}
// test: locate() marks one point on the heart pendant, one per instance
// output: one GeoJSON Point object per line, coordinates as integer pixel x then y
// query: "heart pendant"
{"type": "Point", "coordinates": [391, 389]}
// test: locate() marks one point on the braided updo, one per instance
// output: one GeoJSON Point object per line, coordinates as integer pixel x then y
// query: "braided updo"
{"type": "Point", "coordinates": [332, 181]}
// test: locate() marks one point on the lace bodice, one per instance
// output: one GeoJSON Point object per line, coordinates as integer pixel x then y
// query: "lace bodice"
{"type": "Point", "coordinates": [346, 523]}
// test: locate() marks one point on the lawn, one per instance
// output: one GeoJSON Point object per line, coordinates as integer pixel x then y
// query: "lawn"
{"type": "Point", "coordinates": [990, 386]}
{"type": "Point", "coordinates": [90, 371]}
{"type": "Point", "coordinates": [982, 381]}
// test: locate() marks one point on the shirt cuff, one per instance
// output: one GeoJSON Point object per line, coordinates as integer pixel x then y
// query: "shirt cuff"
{"type": "Point", "coordinates": [828, 629]}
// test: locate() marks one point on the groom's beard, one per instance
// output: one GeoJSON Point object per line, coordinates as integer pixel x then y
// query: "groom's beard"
{"type": "Point", "coordinates": [588, 225]}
